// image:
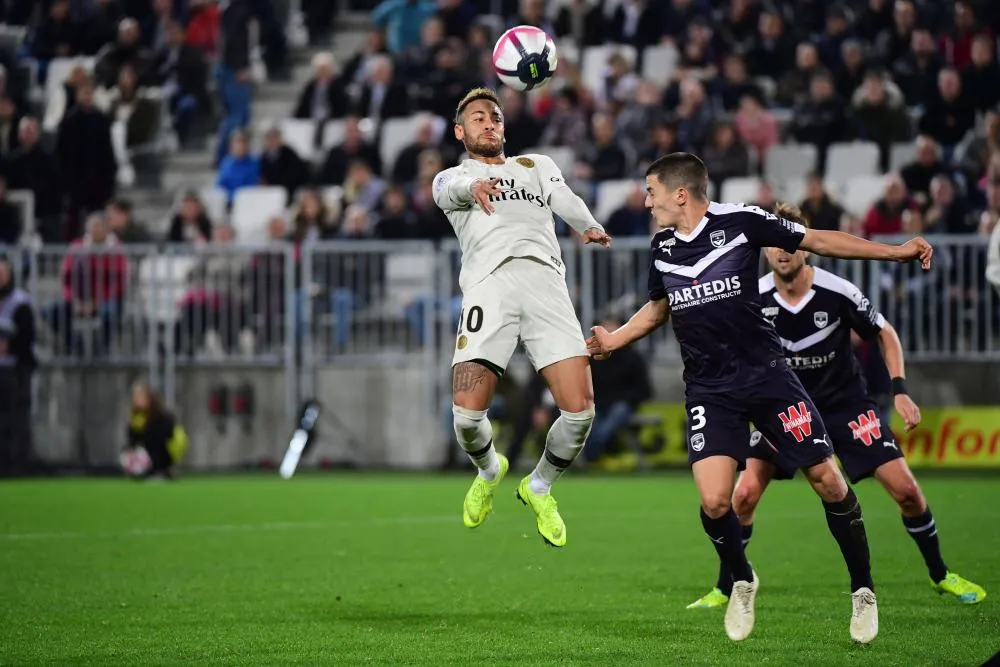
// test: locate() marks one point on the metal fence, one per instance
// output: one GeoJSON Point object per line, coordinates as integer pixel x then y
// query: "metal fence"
{"type": "Point", "coordinates": [372, 302]}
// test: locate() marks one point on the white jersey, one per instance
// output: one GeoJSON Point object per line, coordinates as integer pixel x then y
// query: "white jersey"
{"type": "Point", "coordinates": [521, 224]}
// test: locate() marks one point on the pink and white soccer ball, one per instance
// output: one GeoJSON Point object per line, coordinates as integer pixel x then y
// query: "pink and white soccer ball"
{"type": "Point", "coordinates": [135, 461]}
{"type": "Point", "coordinates": [525, 58]}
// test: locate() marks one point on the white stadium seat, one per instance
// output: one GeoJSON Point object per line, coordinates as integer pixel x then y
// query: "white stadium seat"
{"type": "Point", "coordinates": [59, 69]}
{"type": "Point", "coordinates": [787, 161]}
{"type": "Point", "coordinates": [861, 192]}
{"type": "Point", "coordinates": [595, 62]}
{"type": "Point", "coordinates": [397, 134]}
{"type": "Point", "coordinates": [252, 209]}
{"type": "Point", "coordinates": [844, 161]}
{"type": "Point", "coordinates": [902, 154]}
{"type": "Point", "coordinates": [792, 190]}
{"type": "Point", "coordinates": [300, 136]}
{"type": "Point", "coordinates": [743, 190]}
{"type": "Point", "coordinates": [162, 282]}
{"type": "Point", "coordinates": [659, 63]}
{"type": "Point", "coordinates": [612, 195]}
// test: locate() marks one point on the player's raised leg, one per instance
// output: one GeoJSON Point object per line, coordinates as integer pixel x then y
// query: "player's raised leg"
{"type": "Point", "coordinates": [570, 382]}
{"type": "Point", "coordinates": [898, 480]}
{"type": "Point", "coordinates": [749, 489]}
{"type": "Point", "coordinates": [473, 384]}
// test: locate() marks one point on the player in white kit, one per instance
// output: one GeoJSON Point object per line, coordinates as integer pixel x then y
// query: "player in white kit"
{"type": "Point", "coordinates": [514, 288]}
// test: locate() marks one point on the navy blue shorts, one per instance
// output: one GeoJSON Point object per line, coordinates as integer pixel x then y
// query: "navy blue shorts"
{"type": "Point", "coordinates": [862, 441]}
{"type": "Point", "coordinates": [719, 424]}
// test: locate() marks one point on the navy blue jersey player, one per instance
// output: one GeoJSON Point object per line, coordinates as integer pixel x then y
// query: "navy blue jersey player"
{"type": "Point", "coordinates": [704, 273]}
{"type": "Point", "coordinates": [814, 313]}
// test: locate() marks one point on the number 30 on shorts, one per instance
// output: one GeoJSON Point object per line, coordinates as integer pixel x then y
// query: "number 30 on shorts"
{"type": "Point", "coordinates": [474, 322]}
{"type": "Point", "coordinates": [697, 417]}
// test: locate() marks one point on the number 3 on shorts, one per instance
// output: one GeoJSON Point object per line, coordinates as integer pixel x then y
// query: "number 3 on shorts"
{"type": "Point", "coordinates": [697, 417]}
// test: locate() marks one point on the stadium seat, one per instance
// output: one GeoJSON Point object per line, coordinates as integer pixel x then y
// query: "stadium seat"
{"type": "Point", "coordinates": [333, 133]}
{"type": "Point", "coordinates": [162, 281]}
{"type": "Point", "coordinates": [659, 63]}
{"type": "Point", "coordinates": [300, 136]}
{"type": "Point", "coordinates": [902, 154]}
{"type": "Point", "coordinates": [595, 61]}
{"type": "Point", "coordinates": [789, 161]}
{"type": "Point", "coordinates": [59, 69]}
{"type": "Point", "coordinates": [397, 134]}
{"type": "Point", "coordinates": [740, 190]}
{"type": "Point", "coordinates": [847, 160]}
{"type": "Point", "coordinates": [253, 208]}
{"type": "Point", "coordinates": [791, 190]}
{"type": "Point", "coordinates": [861, 192]}
{"type": "Point", "coordinates": [213, 199]}
{"type": "Point", "coordinates": [611, 195]}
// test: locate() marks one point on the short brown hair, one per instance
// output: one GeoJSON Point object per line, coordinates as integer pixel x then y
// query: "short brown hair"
{"type": "Point", "coordinates": [789, 211]}
{"type": "Point", "coordinates": [474, 95]}
{"type": "Point", "coordinates": [681, 170]}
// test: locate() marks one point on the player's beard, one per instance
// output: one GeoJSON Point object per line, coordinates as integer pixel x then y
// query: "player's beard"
{"type": "Point", "coordinates": [484, 148]}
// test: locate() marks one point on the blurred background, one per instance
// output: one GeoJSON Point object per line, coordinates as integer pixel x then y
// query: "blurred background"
{"type": "Point", "coordinates": [212, 212]}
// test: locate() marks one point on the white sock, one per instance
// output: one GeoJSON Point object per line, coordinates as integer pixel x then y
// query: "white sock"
{"type": "Point", "coordinates": [492, 468]}
{"type": "Point", "coordinates": [563, 444]}
{"type": "Point", "coordinates": [475, 435]}
{"type": "Point", "coordinates": [538, 485]}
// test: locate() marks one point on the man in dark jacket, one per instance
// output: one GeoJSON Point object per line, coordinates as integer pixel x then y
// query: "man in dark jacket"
{"type": "Point", "coordinates": [17, 364]}
{"type": "Point", "coordinates": [233, 71]}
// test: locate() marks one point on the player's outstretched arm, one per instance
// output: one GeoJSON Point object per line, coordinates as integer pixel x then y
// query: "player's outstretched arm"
{"type": "Point", "coordinates": [567, 204]}
{"type": "Point", "coordinates": [453, 192]}
{"type": "Point", "coordinates": [892, 353]}
{"type": "Point", "coordinates": [648, 319]}
{"type": "Point", "coordinates": [847, 246]}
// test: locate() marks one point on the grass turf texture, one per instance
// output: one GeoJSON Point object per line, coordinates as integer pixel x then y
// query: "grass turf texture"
{"type": "Point", "coordinates": [348, 569]}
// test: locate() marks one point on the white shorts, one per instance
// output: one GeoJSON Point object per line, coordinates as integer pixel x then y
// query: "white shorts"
{"type": "Point", "coordinates": [522, 300]}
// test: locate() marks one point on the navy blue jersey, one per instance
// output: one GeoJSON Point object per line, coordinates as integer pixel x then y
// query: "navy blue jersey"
{"type": "Point", "coordinates": [709, 279]}
{"type": "Point", "coordinates": [816, 336]}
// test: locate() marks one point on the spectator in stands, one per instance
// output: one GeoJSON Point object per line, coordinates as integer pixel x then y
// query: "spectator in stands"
{"type": "Point", "coordinates": [457, 17]}
{"type": "Point", "coordinates": [725, 155]}
{"type": "Point", "coordinates": [632, 219]}
{"type": "Point", "coordinates": [886, 215]}
{"type": "Point", "coordinates": [478, 46]}
{"type": "Point", "coordinates": [125, 228]}
{"type": "Point", "coordinates": [766, 198]}
{"type": "Point", "coordinates": [836, 33]}
{"type": "Point", "coordinates": [818, 207]}
{"type": "Point", "coordinates": [916, 72]}
{"type": "Point", "coordinates": [773, 49]}
{"type": "Point", "coordinates": [86, 158]}
{"type": "Point", "coordinates": [94, 277]}
{"type": "Point", "coordinates": [203, 26]}
{"type": "Point", "coordinates": [981, 77]}
{"type": "Point", "coordinates": [694, 116]}
{"type": "Point", "coordinates": [618, 393]}
{"type": "Point", "coordinates": [101, 22]}
{"type": "Point", "coordinates": [127, 50]}
{"type": "Point", "coordinates": [156, 28]}
{"type": "Point", "coordinates": [267, 272]}
{"type": "Point", "coordinates": [11, 225]}
{"type": "Point", "coordinates": [33, 167]}
{"type": "Point", "coordinates": [532, 12]}
{"type": "Point", "coordinates": [416, 64]}
{"type": "Point", "coordinates": [641, 23]}
{"type": "Point", "coordinates": [58, 35]}
{"type": "Point", "coordinates": [737, 25]}
{"type": "Point", "coordinates": [880, 119]}
{"type": "Point", "coordinates": [354, 146]}
{"type": "Point", "coordinates": [733, 83]}
{"type": "Point", "coordinates": [973, 154]}
{"type": "Point", "coordinates": [949, 115]}
{"type": "Point", "coordinates": [190, 224]}
{"type": "Point", "coordinates": [134, 109]}
{"type": "Point", "coordinates": [446, 82]}
{"type": "Point", "coordinates": [582, 21]}
{"type": "Point", "coordinates": [567, 124]}
{"type": "Point", "coordinates": [63, 99]}
{"type": "Point", "coordinates": [180, 69]}
{"type": "Point", "coordinates": [239, 168]}
{"type": "Point", "coordinates": [793, 86]}
{"type": "Point", "coordinates": [918, 174]}
{"type": "Point", "coordinates": [357, 68]}
{"type": "Point", "coordinates": [875, 18]}
{"type": "Point", "coordinates": [946, 213]}
{"type": "Point", "coordinates": [10, 122]}
{"type": "Point", "coordinates": [893, 42]}
{"type": "Point", "coordinates": [395, 219]}
{"type": "Point", "coordinates": [662, 140]}
{"type": "Point", "coordinates": [407, 161]}
{"type": "Point", "coordinates": [601, 159]}
{"type": "Point", "coordinates": [401, 20]}
{"type": "Point", "coordinates": [619, 82]}
{"type": "Point", "coordinates": [432, 223]}
{"type": "Point", "coordinates": [850, 74]}
{"type": "Point", "coordinates": [821, 120]}
{"type": "Point", "coordinates": [233, 71]}
{"type": "Point", "coordinates": [757, 127]}
{"type": "Point", "coordinates": [383, 97]}
{"type": "Point", "coordinates": [362, 187]}
{"type": "Point", "coordinates": [958, 44]}
{"type": "Point", "coordinates": [213, 301]}
{"type": "Point", "coordinates": [635, 118]}
{"type": "Point", "coordinates": [989, 226]}
{"type": "Point", "coordinates": [17, 366]}
{"type": "Point", "coordinates": [312, 219]}
{"type": "Point", "coordinates": [280, 165]}
{"type": "Point", "coordinates": [325, 96]}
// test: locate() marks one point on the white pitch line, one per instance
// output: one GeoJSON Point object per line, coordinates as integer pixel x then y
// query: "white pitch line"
{"type": "Point", "coordinates": [226, 528]}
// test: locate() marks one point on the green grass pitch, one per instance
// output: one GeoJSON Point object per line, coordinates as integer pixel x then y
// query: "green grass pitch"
{"type": "Point", "coordinates": [378, 569]}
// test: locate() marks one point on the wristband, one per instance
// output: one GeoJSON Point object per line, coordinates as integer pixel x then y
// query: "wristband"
{"type": "Point", "coordinates": [899, 386]}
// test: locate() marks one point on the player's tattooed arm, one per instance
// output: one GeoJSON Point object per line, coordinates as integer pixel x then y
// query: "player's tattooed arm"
{"type": "Point", "coordinates": [649, 318]}
{"type": "Point", "coordinates": [847, 246]}
{"type": "Point", "coordinates": [468, 376]}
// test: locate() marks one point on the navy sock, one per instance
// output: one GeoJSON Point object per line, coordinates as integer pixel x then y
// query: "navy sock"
{"type": "Point", "coordinates": [848, 527]}
{"type": "Point", "coordinates": [725, 581]}
{"type": "Point", "coordinates": [924, 532]}
{"type": "Point", "coordinates": [726, 536]}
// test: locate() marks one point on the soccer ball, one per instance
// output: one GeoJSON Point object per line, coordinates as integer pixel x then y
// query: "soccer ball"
{"type": "Point", "coordinates": [525, 58]}
{"type": "Point", "coordinates": [135, 461]}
